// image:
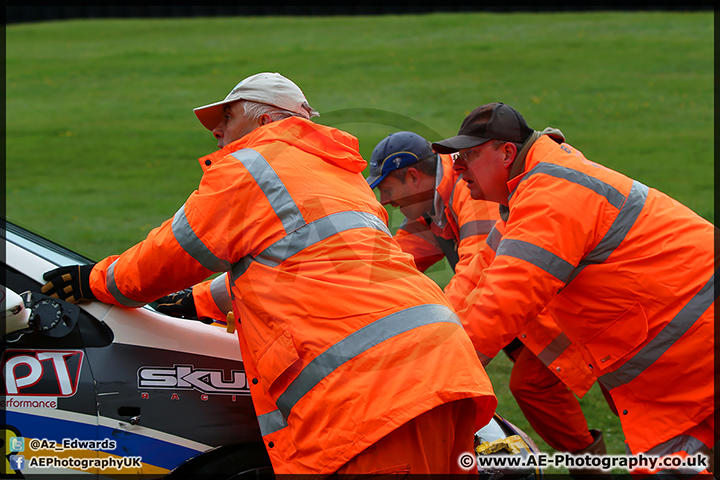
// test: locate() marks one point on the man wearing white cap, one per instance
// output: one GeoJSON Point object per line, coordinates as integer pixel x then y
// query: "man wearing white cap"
{"type": "Point", "coordinates": [264, 90]}
{"type": "Point", "coordinates": [346, 345]}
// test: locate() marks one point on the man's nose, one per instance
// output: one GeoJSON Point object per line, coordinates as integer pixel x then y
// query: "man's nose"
{"type": "Point", "coordinates": [459, 165]}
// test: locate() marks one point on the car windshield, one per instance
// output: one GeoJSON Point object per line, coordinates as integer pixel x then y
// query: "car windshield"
{"type": "Point", "coordinates": [50, 251]}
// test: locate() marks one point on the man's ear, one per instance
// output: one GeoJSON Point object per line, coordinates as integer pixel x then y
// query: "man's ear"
{"type": "Point", "coordinates": [412, 174]}
{"type": "Point", "coordinates": [510, 151]}
{"type": "Point", "coordinates": [265, 119]}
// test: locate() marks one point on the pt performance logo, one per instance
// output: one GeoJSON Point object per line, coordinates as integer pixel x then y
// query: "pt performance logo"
{"type": "Point", "coordinates": [41, 373]}
{"type": "Point", "coordinates": [187, 377]}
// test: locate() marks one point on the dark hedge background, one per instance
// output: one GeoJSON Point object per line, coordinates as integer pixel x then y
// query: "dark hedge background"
{"type": "Point", "coordinates": [30, 13]}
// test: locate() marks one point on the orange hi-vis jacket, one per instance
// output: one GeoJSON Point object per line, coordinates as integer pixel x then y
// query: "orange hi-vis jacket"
{"type": "Point", "coordinates": [459, 231]}
{"type": "Point", "coordinates": [541, 335]}
{"type": "Point", "coordinates": [628, 273]}
{"type": "Point", "coordinates": [342, 338]}
{"type": "Point", "coordinates": [458, 228]}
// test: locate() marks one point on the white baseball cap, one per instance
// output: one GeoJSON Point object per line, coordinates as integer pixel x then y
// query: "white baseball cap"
{"type": "Point", "coordinates": [269, 88]}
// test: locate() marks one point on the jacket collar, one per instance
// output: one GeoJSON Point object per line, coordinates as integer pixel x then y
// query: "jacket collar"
{"type": "Point", "coordinates": [445, 180]}
{"type": "Point", "coordinates": [518, 165]}
{"type": "Point", "coordinates": [207, 160]}
{"type": "Point", "coordinates": [517, 169]}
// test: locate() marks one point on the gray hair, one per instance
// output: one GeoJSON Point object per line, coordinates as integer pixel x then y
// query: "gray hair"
{"type": "Point", "coordinates": [497, 143]}
{"type": "Point", "coordinates": [255, 110]}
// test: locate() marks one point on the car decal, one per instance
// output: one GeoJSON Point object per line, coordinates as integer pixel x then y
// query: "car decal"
{"type": "Point", "coordinates": [37, 377]}
{"type": "Point", "coordinates": [188, 377]}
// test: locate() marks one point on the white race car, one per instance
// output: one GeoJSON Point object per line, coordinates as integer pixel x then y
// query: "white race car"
{"type": "Point", "coordinates": [106, 390]}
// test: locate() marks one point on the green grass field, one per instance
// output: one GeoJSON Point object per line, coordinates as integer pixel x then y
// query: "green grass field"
{"type": "Point", "coordinates": [101, 141]}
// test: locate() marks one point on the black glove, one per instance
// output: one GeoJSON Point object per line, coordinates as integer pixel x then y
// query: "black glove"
{"type": "Point", "coordinates": [69, 283]}
{"type": "Point", "coordinates": [179, 304]}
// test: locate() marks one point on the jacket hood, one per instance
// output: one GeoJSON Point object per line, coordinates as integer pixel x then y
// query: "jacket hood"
{"type": "Point", "coordinates": [518, 167]}
{"type": "Point", "coordinates": [519, 162]}
{"type": "Point", "coordinates": [332, 145]}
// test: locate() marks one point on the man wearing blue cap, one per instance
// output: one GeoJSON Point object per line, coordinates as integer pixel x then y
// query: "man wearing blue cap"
{"type": "Point", "coordinates": [440, 221]}
{"type": "Point", "coordinates": [443, 220]}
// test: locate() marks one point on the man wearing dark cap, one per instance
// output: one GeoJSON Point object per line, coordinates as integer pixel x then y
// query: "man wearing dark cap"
{"type": "Point", "coordinates": [627, 271]}
{"type": "Point", "coordinates": [441, 219]}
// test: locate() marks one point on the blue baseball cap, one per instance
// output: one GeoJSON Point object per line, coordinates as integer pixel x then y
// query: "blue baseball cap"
{"type": "Point", "coordinates": [395, 151]}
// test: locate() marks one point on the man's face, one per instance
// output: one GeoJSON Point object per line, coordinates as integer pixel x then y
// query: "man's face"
{"type": "Point", "coordinates": [413, 193]}
{"type": "Point", "coordinates": [234, 125]}
{"type": "Point", "coordinates": [485, 169]}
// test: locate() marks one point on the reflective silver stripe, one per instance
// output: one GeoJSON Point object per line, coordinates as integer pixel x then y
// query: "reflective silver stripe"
{"type": "Point", "coordinates": [477, 227]}
{"type": "Point", "coordinates": [493, 239]}
{"type": "Point", "coordinates": [550, 353]}
{"type": "Point", "coordinates": [115, 291]}
{"type": "Point", "coordinates": [458, 184]}
{"type": "Point", "coordinates": [308, 235]}
{"type": "Point", "coordinates": [541, 258]}
{"type": "Point", "coordinates": [192, 244]}
{"type": "Point", "coordinates": [618, 230]}
{"type": "Point", "coordinates": [315, 232]}
{"type": "Point", "coordinates": [598, 186]}
{"type": "Point", "coordinates": [273, 188]}
{"type": "Point", "coordinates": [358, 343]}
{"type": "Point", "coordinates": [681, 443]}
{"type": "Point", "coordinates": [240, 267]}
{"type": "Point", "coordinates": [686, 472]}
{"type": "Point", "coordinates": [220, 294]}
{"type": "Point", "coordinates": [271, 422]}
{"type": "Point", "coordinates": [667, 337]}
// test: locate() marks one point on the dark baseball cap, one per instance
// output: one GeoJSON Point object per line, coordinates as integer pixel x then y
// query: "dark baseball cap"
{"type": "Point", "coordinates": [395, 151]}
{"type": "Point", "coordinates": [492, 121]}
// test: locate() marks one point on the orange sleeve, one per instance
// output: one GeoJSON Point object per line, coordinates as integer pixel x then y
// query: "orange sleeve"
{"type": "Point", "coordinates": [476, 219]}
{"type": "Point", "coordinates": [549, 229]}
{"type": "Point", "coordinates": [417, 239]}
{"type": "Point", "coordinates": [202, 238]}
{"type": "Point", "coordinates": [142, 273]}
{"type": "Point", "coordinates": [212, 298]}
